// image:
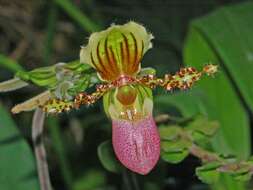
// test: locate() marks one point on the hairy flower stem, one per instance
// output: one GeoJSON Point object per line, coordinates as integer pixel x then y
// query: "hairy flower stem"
{"type": "Point", "coordinates": [226, 166]}
{"type": "Point", "coordinates": [182, 80]}
{"type": "Point", "coordinates": [203, 155]}
{"type": "Point", "coordinates": [40, 152]}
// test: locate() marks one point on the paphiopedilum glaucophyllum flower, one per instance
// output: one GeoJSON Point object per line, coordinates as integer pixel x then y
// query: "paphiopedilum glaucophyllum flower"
{"type": "Point", "coordinates": [115, 54]}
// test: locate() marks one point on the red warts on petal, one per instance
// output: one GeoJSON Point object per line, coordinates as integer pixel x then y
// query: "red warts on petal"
{"type": "Point", "coordinates": [136, 144]}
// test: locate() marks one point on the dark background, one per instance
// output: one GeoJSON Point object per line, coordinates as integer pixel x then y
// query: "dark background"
{"type": "Point", "coordinates": [36, 33]}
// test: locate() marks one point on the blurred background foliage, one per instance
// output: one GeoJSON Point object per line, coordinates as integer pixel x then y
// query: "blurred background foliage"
{"type": "Point", "coordinates": [37, 33]}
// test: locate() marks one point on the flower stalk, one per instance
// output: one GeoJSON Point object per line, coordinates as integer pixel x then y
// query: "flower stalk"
{"type": "Point", "coordinates": [40, 152]}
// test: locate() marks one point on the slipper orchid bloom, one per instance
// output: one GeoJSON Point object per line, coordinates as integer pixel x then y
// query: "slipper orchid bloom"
{"type": "Point", "coordinates": [115, 54]}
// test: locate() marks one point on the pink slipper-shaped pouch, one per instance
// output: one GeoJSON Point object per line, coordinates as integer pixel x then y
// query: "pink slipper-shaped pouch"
{"type": "Point", "coordinates": [136, 143]}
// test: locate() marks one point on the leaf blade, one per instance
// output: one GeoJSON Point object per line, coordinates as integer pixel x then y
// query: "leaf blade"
{"type": "Point", "coordinates": [21, 173]}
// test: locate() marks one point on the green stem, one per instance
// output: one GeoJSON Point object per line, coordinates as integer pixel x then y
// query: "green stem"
{"type": "Point", "coordinates": [59, 148]}
{"type": "Point", "coordinates": [77, 15]}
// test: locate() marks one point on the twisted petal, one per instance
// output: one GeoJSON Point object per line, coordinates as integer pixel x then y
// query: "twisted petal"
{"type": "Point", "coordinates": [12, 84]}
{"type": "Point", "coordinates": [136, 144]}
{"type": "Point", "coordinates": [32, 103]}
{"type": "Point", "coordinates": [117, 50]}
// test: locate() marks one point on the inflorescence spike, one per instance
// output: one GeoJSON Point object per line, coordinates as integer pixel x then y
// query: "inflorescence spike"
{"type": "Point", "coordinates": [183, 79]}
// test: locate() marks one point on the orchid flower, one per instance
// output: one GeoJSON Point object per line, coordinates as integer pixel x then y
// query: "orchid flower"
{"type": "Point", "coordinates": [112, 58]}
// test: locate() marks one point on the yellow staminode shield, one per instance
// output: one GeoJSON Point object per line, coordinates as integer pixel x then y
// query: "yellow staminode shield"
{"type": "Point", "coordinates": [117, 50]}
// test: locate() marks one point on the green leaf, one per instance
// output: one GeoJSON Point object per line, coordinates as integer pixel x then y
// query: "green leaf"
{"type": "Point", "coordinates": [9, 64]}
{"type": "Point", "coordinates": [108, 158]}
{"type": "Point", "coordinates": [243, 177]}
{"type": "Point", "coordinates": [17, 164]}
{"type": "Point", "coordinates": [60, 150]}
{"type": "Point", "coordinates": [202, 130]}
{"type": "Point", "coordinates": [218, 95]}
{"type": "Point", "coordinates": [233, 44]}
{"type": "Point", "coordinates": [241, 172]}
{"type": "Point", "coordinates": [169, 132]}
{"type": "Point", "coordinates": [92, 179]}
{"type": "Point", "coordinates": [174, 148]}
{"type": "Point", "coordinates": [208, 173]}
{"type": "Point", "coordinates": [50, 33]}
{"type": "Point", "coordinates": [174, 157]}
{"type": "Point", "coordinates": [177, 145]}
{"type": "Point", "coordinates": [175, 151]}
{"type": "Point", "coordinates": [184, 101]}
{"type": "Point", "coordinates": [203, 125]}
{"type": "Point", "coordinates": [84, 21]}
{"type": "Point", "coordinates": [147, 71]}
{"type": "Point", "coordinates": [151, 186]}
{"type": "Point", "coordinates": [215, 38]}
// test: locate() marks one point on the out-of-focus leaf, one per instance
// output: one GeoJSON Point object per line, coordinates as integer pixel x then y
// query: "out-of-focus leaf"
{"type": "Point", "coordinates": [108, 158]}
{"type": "Point", "coordinates": [169, 132]}
{"type": "Point", "coordinates": [208, 40]}
{"type": "Point", "coordinates": [177, 145]}
{"type": "Point", "coordinates": [50, 34]}
{"type": "Point", "coordinates": [243, 177]}
{"type": "Point", "coordinates": [17, 165]}
{"type": "Point", "coordinates": [208, 173]}
{"type": "Point", "coordinates": [240, 172]}
{"type": "Point", "coordinates": [58, 145]}
{"type": "Point", "coordinates": [9, 64]}
{"type": "Point", "coordinates": [203, 125]}
{"type": "Point", "coordinates": [74, 12]}
{"type": "Point", "coordinates": [184, 101]}
{"type": "Point", "coordinates": [151, 186]}
{"type": "Point", "coordinates": [175, 157]}
{"type": "Point", "coordinates": [224, 37]}
{"type": "Point", "coordinates": [174, 148]}
{"type": "Point", "coordinates": [175, 151]}
{"type": "Point", "coordinates": [232, 40]}
{"type": "Point", "coordinates": [91, 180]}
{"type": "Point", "coordinates": [215, 95]}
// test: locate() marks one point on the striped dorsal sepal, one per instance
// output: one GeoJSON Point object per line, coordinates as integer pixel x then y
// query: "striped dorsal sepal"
{"type": "Point", "coordinates": [117, 50]}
